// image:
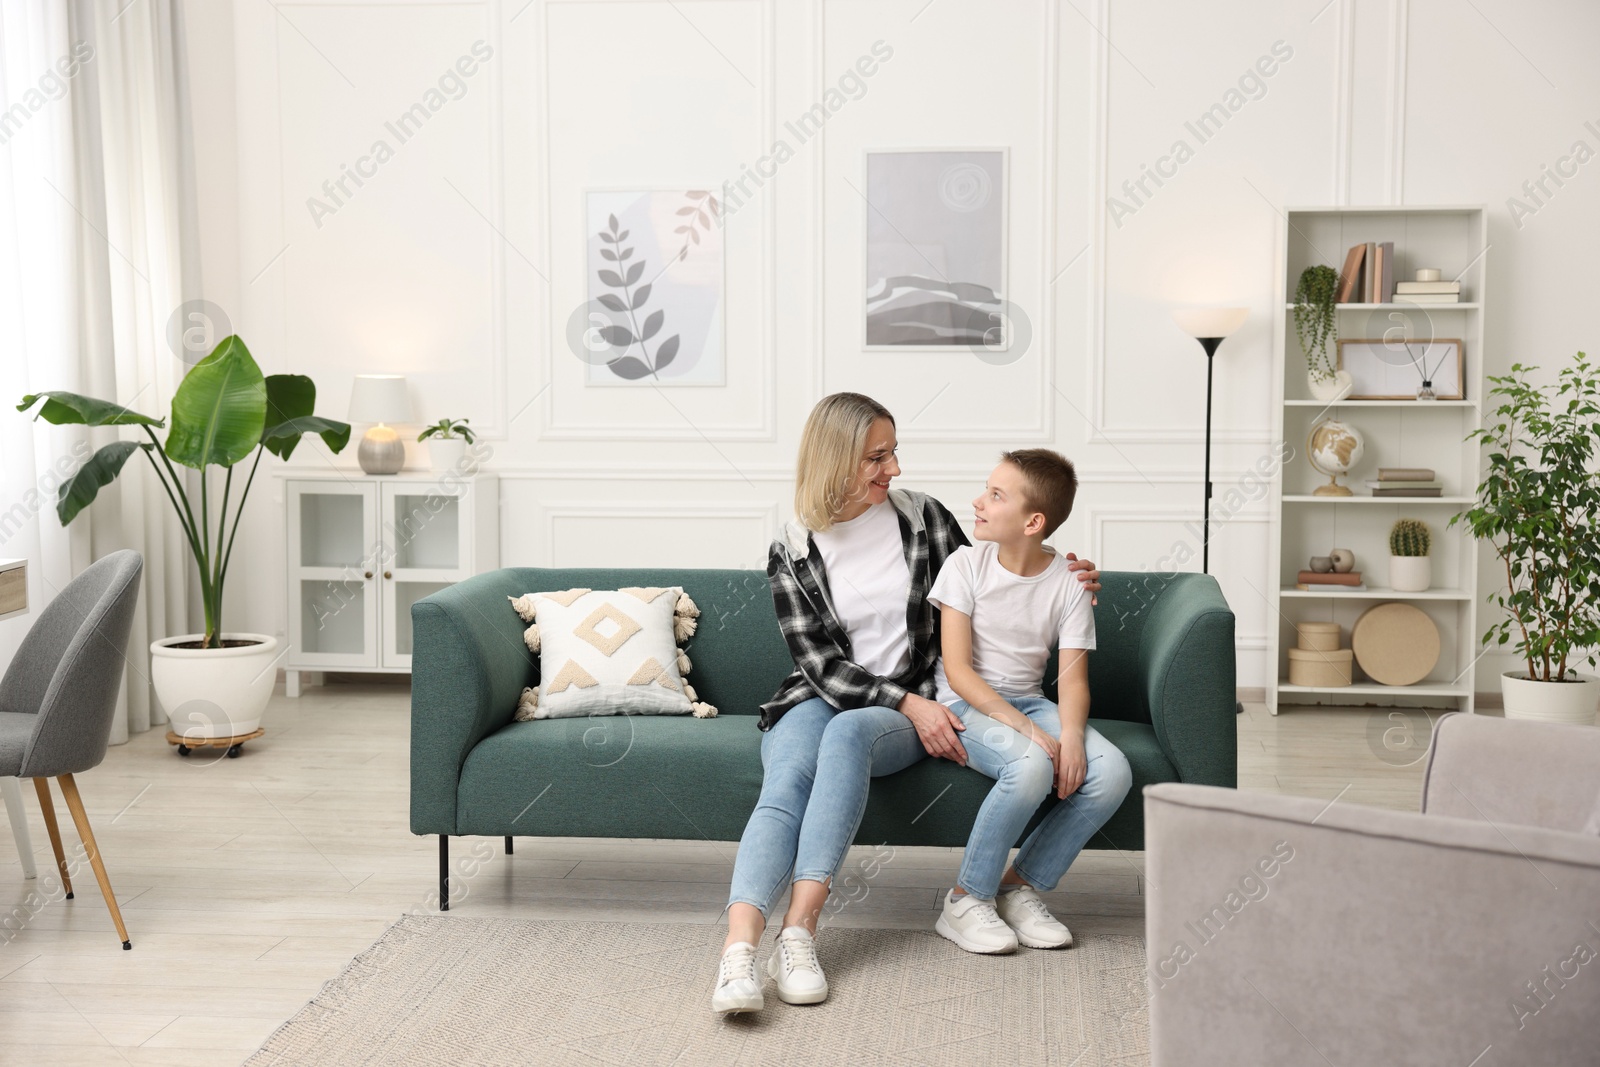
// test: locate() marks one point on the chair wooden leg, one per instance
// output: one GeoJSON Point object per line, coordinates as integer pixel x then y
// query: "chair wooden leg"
{"type": "Point", "coordinates": [69, 789]}
{"type": "Point", "coordinates": [42, 787]}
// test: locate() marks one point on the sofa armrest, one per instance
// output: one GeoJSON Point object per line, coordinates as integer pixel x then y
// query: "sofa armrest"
{"type": "Point", "coordinates": [468, 669]}
{"type": "Point", "coordinates": [1513, 771]}
{"type": "Point", "coordinates": [1282, 927]}
{"type": "Point", "coordinates": [1189, 676]}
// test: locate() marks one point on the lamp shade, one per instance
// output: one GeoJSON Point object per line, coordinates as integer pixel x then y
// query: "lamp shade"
{"type": "Point", "coordinates": [1210, 322]}
{"type": "Point", "coordinates": [380, 398]}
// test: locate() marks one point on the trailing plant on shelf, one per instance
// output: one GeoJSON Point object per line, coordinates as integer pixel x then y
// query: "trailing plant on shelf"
{"type": "Point", "coordinates": [1409, 537]}
{"type": "Point", "coordinates": [224, 411]}
{"type": "Point", "coordinates": [448, 430]}
{"type": "Point", "coordinates": [1538, 505]}
{"type": "Point", "coordinates": [1315, 318]}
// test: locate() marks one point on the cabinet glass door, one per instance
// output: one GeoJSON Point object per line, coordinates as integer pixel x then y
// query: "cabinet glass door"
{"type": "Point", "coordinates": [333, 557]}
{"type": "Point", "coordinates": [426, 539]}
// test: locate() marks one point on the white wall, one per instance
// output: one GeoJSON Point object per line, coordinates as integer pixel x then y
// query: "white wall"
{"type": "Point", "coordinates": [458, 263]}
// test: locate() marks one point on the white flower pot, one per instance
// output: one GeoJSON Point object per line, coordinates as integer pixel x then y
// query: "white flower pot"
{"type": "Point", "coordinates": [1329, 390]}
{"type": "Point", "coordinates": [447, 453]}
{"type": "Point", "coordinates": [1570, 702]}
{"type": "Point", "coordinates": [1410, 574]}
{"type": "Point", "coordinates": [214, 692]}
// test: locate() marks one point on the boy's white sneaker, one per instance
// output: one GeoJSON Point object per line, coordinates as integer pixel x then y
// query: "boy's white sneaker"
{"type": "Point", "coordinates": [794, 964]}
{"type": "Point", "coordinates": [974, 924]}
{"type": "Point", "coordinates": [1035, 927]}
{"type": "Point", "coordinates": [738, 988]}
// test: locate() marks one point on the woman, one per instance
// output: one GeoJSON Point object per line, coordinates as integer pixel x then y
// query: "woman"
{"type": "Point", "coordinates": [850, 580]}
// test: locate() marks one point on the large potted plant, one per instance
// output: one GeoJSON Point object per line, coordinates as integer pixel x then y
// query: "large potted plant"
{"type": "Point", "coordinates": [217, 683]}
{"type": "Point", "coordinates": [1538, 505]}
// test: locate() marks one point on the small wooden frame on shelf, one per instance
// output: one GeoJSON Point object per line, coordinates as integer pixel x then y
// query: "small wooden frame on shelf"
{"type": "Point", "coordinates": [1383, 370]}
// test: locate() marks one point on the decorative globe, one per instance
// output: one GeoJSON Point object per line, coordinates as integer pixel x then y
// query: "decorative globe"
{"type": "Point", "coordinates": [1333, 448]}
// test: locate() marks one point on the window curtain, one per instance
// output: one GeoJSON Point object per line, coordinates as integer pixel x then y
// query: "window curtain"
{"type": "Point", "coordinates": [97, 255]}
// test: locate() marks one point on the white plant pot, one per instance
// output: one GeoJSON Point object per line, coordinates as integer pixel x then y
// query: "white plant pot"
{"type": "Point", "coordinates": [1329, 390]}
{"type": "Point", "coordinates": [1570, 702]}
{"type": "Point", "coordinates": [1410, 574]}
{"type": "Point", "coordinates": [447, 453]}
{"type": "Point", "coordinates": [214, 692]}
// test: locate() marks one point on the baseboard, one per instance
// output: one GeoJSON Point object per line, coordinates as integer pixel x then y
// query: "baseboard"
{"type": "Point", "coordinates": [1250, 694]}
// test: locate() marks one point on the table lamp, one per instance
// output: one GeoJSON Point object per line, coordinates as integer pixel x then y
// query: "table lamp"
{"type": "Point", "coordinates": [380, 399]}
{"type": "Point", "coordinates": [1209, 326]}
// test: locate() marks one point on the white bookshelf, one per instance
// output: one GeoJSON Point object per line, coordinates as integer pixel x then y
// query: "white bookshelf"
{"type": "Point", "coordinates": [1398, 433]}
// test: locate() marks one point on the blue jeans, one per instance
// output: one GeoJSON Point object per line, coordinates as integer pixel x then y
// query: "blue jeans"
{"type": "Point", "coordinates": [1024, 776]}
{"type": "Point", "coordinates": [817, 762]}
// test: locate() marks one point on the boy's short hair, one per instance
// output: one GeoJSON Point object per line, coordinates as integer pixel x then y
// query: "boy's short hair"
{"type": "Point", "coordinates": [1049, 480]}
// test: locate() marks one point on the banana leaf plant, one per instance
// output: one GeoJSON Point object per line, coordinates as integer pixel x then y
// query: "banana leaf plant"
{"type": "Point", "coordinates": [224, 412]}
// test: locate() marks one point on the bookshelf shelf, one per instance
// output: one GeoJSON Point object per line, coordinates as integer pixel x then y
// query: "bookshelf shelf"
{"type": "Point", "coordinates": [1398, 433]}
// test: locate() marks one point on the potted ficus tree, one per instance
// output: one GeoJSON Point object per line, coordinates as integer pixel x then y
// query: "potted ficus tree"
{"type": "Point", "coordinates": [225, 411]}
{"type": "Point", "coordinates": [447, 442]}
{"type": "Point", "coordinates": [1316, 314]}
{"type": "Point", "coordinates": [1538, 504]}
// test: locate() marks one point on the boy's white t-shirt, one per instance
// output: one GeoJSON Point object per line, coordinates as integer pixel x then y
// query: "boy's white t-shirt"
{"type": "Point", "coordinates": [1016, 621]}
{"type": "Point", "coordinates": [870, 583]}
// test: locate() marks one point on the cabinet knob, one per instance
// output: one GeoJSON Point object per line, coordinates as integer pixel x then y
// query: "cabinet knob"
{"type": "Point", "coordinates": [369, 574]}
{"type": "Point", "coordinates": [386, 574]}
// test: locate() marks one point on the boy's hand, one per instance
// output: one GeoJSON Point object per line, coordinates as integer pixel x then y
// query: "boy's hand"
{"type": "Point", "coordinates": [1071, 765]}
{"type": "Point", "coordinates": [1051, 746]}
{"type": "Point", "coordinates": [936, 727]}
{"type": "Point", "coordinates": [1089, 576]}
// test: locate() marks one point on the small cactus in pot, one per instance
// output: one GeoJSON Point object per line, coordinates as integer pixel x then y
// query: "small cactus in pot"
{"type": "Point", "coordinates": [1409, 568]}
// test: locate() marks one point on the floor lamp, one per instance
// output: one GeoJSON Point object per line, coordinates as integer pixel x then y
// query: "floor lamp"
{"type": "Point", "coordinates": [1209, 326]}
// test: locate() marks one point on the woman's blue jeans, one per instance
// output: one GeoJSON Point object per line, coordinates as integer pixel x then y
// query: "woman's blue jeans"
{"type": "Point", "coordinates": [1024, 776]}
{"type": "Point", "coordinates": [817, 762]}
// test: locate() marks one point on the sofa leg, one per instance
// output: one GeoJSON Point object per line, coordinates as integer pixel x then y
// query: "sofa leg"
{"type": "Point", "coordinates": [444, 872]}
{"type": "Point", "coordinates": [508, 844]}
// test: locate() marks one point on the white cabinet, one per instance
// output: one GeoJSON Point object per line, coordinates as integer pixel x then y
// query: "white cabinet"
{"type": "Point", "coordinates": [363, 549]}
{"type": "Point", "coordinates": [1399, 433]}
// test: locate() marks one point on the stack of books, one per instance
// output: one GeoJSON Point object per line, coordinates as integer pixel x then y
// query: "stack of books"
{"type": "Point", "coordinates": [1368, 275]}
{"type": "Point", "coordinates": [1406, 481]}
{"type": "Point", "coordinates": [1428, 292]}
{"type": "Point", "coordinates": [1330, 582]}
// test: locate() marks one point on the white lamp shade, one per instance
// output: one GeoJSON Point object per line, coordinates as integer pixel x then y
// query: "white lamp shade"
{"type": "Point", "coordinates": [1210, 322]}
{"type": "Point", "coordinates": [380, 398]}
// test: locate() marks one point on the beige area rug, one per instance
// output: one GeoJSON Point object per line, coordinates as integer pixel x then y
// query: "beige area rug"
{"type": "Point", "coordinates": [441, 989]}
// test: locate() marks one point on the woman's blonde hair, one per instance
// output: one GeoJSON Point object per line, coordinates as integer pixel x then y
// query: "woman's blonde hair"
{"type": "Point", "coordinates": [831, 445]}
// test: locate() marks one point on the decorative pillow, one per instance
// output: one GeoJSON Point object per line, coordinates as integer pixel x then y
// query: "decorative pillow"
{"type": "Point", "coordinates": [609, 653]}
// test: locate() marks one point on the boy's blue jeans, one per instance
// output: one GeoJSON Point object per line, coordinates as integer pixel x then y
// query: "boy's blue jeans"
{"type": "Point", "coordinates": [818, 762]}
{"type": "Point", "coordinates": [1024, 776]}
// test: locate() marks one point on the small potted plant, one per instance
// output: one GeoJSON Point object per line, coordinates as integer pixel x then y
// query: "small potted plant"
{"type": "Point", "coordinates": [447, 442]}
{"type": "Point", "coordinates": [1316, 323]}
{"type": "Point", "coordinates": [1538, 505]}
{"type": "Point", "coordinates": [1409, 570]}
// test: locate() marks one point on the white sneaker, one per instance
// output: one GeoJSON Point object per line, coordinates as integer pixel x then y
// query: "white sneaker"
{"type": "Point", "coordinates": [794, 964]}
{"type": "Point", "coordinates": [974, 925]}
{"type": "Point", "coordinates": [738, 988]}
{"type": "Point", "coordinates": [1025, 913]}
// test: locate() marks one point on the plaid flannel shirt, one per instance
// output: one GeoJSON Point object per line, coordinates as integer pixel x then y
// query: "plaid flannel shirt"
{"type": "Point", "coordinates": [818, 641]}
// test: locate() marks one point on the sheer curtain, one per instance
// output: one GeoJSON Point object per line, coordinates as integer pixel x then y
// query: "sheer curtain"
{"type": "Point", "coordinates": [96, 256]}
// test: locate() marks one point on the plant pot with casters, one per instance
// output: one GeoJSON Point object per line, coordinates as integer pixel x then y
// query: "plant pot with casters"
{"type": "Point", "coordinates": [1409, 564]}
{"type": "Point", "coordinates": [1537, 506]}
{"type": "Point", "coordinates": [212, 684]}
{"type": "Point", "coordinates": [447, 442]}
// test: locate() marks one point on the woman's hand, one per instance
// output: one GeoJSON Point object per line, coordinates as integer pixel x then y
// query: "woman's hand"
{"type": "Point", "coordinates": [1072, 766]}
{"type": "Point", "coordinates": [936, 727]}
{"type": "Point", "coordinates": [1088, 575]}
{"type": "Point", "coordinates": [1051, 746]}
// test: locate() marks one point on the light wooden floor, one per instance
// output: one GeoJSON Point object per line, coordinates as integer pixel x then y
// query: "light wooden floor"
{"type": "Point", "coordinates": [247, 883]}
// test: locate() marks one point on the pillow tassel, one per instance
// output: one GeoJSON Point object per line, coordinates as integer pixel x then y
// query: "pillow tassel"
{"type": "Point", "coordinates": [683, 627]}
{"type": "Point", "coordinates": [524, 606]}
{"type": "Point", "coordinates": [683, 662]}
{"type": "Point", "coordinates": [686, 606]}
{"type": "Point", "coordinates": [527, 707]}
{"type": "Point", "coordinates": [530, 637]}
{"type": "Point", "coordinates": [703, 711]}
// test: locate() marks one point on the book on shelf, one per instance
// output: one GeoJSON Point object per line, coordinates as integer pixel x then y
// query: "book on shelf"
{"type": "Point", "coordinates": [1350, 277]}
{"type": "Point", "coordinates": [1385, 273]}
{"type": "Point", "coordinates": [1437, 491]}
{"type": "Point", "coordinates": [1405, 483]}
{"type": "Point", "coordinates": [1427, 287]}
{"type": "Point", "coordinates": [1427, 298]}
{"type": "Point", "coordinates": [1324, 587]}
{"type": "Point", "coordinates": [1329, 578]}
{"type": "Point", "coordinates": [1369, 284]}
{"type": "Point", "coordinates": [1405, 474]}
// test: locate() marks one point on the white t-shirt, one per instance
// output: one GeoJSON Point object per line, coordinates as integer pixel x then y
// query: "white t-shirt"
{"type": "Point", "coordinates": [1016, 621]}
{"type": "Point", "coordinates": [869, 581]}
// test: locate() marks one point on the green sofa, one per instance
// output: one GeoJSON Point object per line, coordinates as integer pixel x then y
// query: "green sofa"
{"type": "Point", "coordinates": [1162, 689]}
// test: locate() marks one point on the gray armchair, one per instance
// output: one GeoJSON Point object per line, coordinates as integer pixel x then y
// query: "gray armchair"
{"type": "Point", "coordinates": [1290, 930]}
{"type": "Point", "coordinates": [60, 692]}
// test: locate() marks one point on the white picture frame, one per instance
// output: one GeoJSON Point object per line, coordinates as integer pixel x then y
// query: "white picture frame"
{"type": "Point", "coordinates": [1393, 370]}
{"type": "Point", "coordinates": [684, 266]}
{"type": "Point", "coordinates": [939, 217]}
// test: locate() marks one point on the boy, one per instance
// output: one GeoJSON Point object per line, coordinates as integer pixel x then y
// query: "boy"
{"type": "Point", "coordinates": [1004, 602]}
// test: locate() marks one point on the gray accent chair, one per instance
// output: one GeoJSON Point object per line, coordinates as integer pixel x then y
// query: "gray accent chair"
{"type": "Point", "coordinates": [1291, 930]}
{"type": "Point", "coordinates": [60, 692]}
